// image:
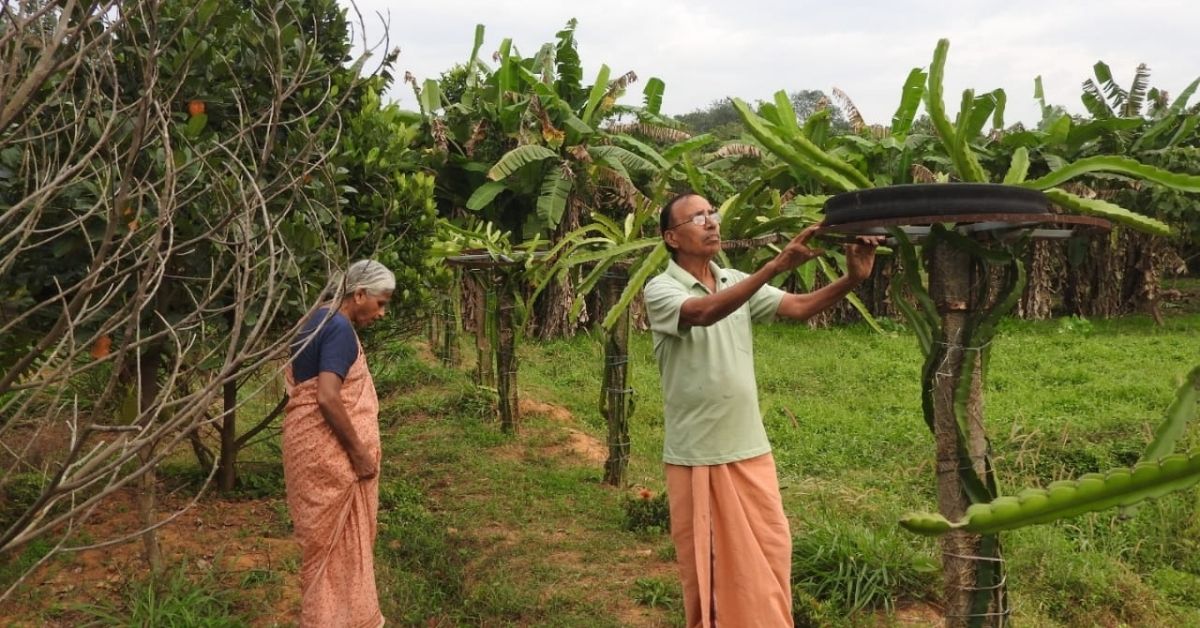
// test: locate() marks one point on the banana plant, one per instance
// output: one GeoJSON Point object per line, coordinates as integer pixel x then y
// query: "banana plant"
{"type": "Point", "coordinates": [563, 154]}
{"type": "Point", "coordinates": [537, 151]}
{"type": "Point", "coordinates": [1158, 473]}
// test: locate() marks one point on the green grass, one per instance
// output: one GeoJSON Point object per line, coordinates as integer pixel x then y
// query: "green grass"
{"type": "Point", "coordinates": [842, 409]}
{"type": "Point", "coordinates": [173, 599]}
{"type": "Point", "coordinates": [478, 527]}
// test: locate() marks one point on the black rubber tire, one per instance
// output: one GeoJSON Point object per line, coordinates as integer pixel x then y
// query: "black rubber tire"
{"type": "Point", "coordinates": [933, 199]}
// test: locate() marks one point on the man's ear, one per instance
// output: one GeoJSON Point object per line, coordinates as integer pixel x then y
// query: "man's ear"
{"type": "Point", "coordinates": [669, 239]}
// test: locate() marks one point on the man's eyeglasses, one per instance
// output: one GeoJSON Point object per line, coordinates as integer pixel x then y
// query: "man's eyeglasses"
{"type": "Point", "coordinates": [700, 219]}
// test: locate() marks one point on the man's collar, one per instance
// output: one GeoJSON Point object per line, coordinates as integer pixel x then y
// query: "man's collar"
{"type": "Point", "coordinates": [688, 279]}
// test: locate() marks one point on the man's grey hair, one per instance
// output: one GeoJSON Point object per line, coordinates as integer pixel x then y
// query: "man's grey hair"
{"type": "Point", "coordinates": [365, 274]}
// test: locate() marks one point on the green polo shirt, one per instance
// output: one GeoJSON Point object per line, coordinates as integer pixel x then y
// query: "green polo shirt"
{"type": "Point", "coordinates": [710, 397]}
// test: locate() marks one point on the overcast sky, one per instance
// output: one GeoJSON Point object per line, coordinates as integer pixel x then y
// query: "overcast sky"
{"type": "Point", "coordinates": [705, 50]}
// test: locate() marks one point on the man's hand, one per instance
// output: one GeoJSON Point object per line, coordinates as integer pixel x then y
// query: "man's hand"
{"type": "Point", "coordinates": [860, 257]}
{"type": "Point", "coordinates": [364, 464]}
{"type": "Point", "coordinates": [797, 251]}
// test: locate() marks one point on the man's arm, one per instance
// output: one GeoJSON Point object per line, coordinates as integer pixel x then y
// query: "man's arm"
{"type": "Point", "coordinates": [860, 258]}
{"type": "Point", "coordinates": [706, 310]}
{"type": "Point", "coordinates": [329, 400]}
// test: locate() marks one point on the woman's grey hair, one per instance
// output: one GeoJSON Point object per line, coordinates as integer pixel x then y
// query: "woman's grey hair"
{"type": "Point", "coordinates": [365, 274]}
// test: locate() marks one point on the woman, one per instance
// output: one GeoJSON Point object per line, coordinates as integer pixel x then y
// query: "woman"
{"type": "Point", "coordinates": [331, 453]}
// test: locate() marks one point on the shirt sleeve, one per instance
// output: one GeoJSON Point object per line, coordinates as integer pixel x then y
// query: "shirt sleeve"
{"type": "Point", "coordinates": [764, 303]}
{"type": "Point", "coordinates": [664, 299]}
{"type": "Point", "coordinates": [337, 347]}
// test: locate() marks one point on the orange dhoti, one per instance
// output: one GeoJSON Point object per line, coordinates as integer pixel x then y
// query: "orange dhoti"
{"type": "Point", "coordinates": [732, 542]}
{"type": "Point", "coordinates": [333, 512]}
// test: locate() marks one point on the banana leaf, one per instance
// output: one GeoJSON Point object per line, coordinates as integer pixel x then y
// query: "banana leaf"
{"type": "Point", "coordinates": [552, 201]}
{"type": "Point", "coordinates": [1168, 119]}
{"type": "Point", "coordinates": [484, 195]}
{"type": "Point", "coordinates": [652, 94]}
{"type": "Point", "coordinates": [598, 90]}
{"type": "Point", "coordinates": [520, 156]}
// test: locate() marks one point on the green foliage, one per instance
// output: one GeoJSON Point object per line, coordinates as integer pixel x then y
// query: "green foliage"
{"type": "Point", "coordinates": [647, 512]}
{"type": "Point", "coordinates": [14, 566]}
{"type": "Point", "coordinates": [1075, 325]}
{"type": "Point", "coordinates": [1070, 583]}
{"type": "Point", "coordinates": [853, 569]}
{"type": "Point", "coordinates": [260, 481]}
{"type": "Point", "coordinates": [533, 127]}
{"type": "Point", "coordinates": [658, 592]}
{"type": "Point", "coordinates": [18, 492]}
{"type": "Point", "coordinates": [1180, 587]}
{"type": "Point", "coordinates": [421, 572]}
{"type": "Point", "coordinates": [387, 205]}
{"type": "Point", "coordinates": [810, 612]}
{"type": "Point", "coordinates": [1179, 415]}
{"type": "Point", "coordinates": [805, 158]}
{"type": "Point", "coordinates": [1152, 478]}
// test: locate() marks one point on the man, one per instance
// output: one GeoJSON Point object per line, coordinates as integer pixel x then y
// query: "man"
{"type": "Point", "coordinates": [731, 535]}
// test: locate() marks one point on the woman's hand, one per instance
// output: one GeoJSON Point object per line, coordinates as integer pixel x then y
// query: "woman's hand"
{"type": "Point", "coordinates": [364, 464]}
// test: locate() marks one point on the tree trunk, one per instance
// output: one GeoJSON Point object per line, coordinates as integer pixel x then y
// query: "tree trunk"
{"type": "Point", "coordinates": [950, 287]}
{"type": "Point", "coordinates": [1046, 263]}
{"type": "Point", "coordinates": [148, 366]}
{"type": "Point", "coordinates": [553, 309]}
{"type": "Point", "coordinates": [1117, 273]}
{"type": "Point", "coordinates": [481, 298]}
{"type": "Point", "coordinates": [615, 392]}
{"type": "Point", "coordinates": [875, 291]}
{"type": "Point", "coordinates": [442, 326]}
{"type": "Point", "coordinates": [227, 467]}
{"type": "Point", "coordinates": [551, 316]}
{"type": "Point", "coordinates": [506, 357]}
{"type": "Point", "coordinates": [449, 325]}
{"type": "Point", "coordinates": [203, 455]}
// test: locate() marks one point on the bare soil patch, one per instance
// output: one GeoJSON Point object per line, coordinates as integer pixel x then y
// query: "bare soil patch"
{"type": "Point", "coordinates": [231, 538]}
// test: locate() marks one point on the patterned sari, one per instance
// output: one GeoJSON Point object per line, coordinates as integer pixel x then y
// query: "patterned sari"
{"type": "Point", "coordinates": [333, 512]}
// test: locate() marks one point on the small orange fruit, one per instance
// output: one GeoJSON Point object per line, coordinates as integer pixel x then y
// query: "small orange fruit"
{"type": "Point", "coordinates": [195, 107]}
{"type": "Point", "coordinates": [102, 347]}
